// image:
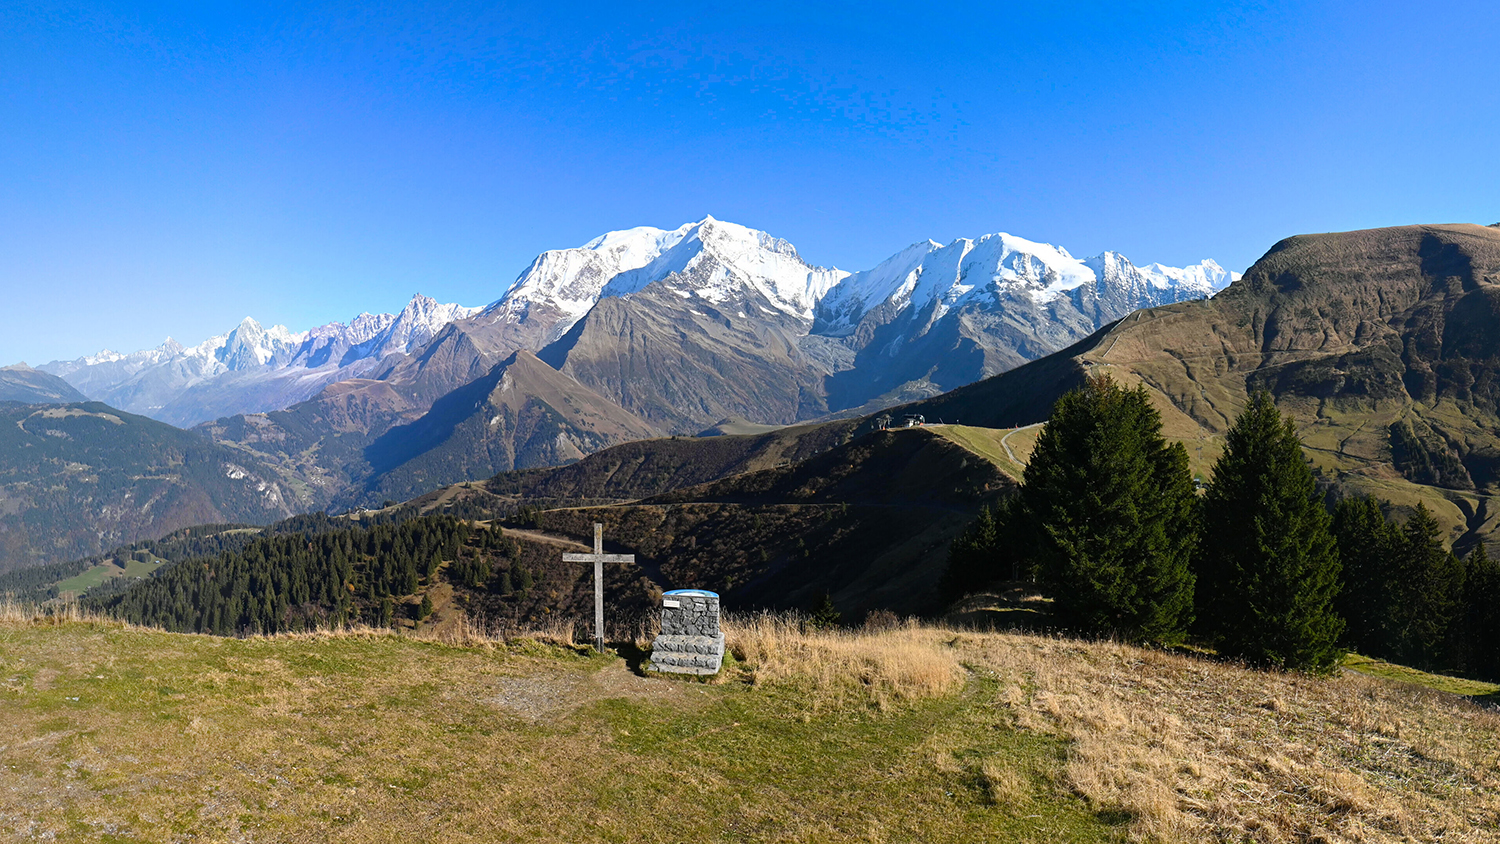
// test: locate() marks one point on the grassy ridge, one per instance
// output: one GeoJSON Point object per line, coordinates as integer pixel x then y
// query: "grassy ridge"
{"type": "Point", "coordinates": [907, 734]}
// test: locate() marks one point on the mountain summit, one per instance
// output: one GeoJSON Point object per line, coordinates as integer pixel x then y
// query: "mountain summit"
{"type": "Point", "coordinates": [711, 259]}
{"type": "Point", "coordinates": [251, 368]}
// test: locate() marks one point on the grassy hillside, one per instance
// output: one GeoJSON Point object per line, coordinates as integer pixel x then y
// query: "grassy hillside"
{"type": "Point", "coordinates": [1380, 343]}
{"type": "Point", "coordinates": [77, 479]}
{"type": "Point", "coordinates": [867, 522]}
{"type": "Point", "coordinates": [907, 734]}
{"type": "Point", "coordinates": [98, 575]}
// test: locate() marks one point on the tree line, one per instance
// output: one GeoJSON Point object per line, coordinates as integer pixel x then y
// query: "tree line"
{"type": "Point", "coordinates": [288, 581]}
{"type": "Point", "coordinates": [1108, 520]}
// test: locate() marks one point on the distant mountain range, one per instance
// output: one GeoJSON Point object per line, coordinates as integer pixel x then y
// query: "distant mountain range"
{"type": "Point", "coordinates": [930, 318]}
{"type": "Point", "coordinates": [250, 368]}
{"type": "Point", "coordinates": [652, 332]}
{"type": "Point", "coordinates": [637, 334]}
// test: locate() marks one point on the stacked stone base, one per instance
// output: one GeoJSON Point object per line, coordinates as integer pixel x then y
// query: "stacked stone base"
{"type": "Point", "coordinates": [688, 654]}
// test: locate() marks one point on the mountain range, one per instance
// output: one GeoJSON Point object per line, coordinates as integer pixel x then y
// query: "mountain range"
{"type": "Point", "coordinates": [250, 368]}
{"type": "Point", "coordinates": [1380, 344]}
{"type": "Point", "coordinates": [637, 334]}
{"type": "Point", "coordinates": [641, 332]}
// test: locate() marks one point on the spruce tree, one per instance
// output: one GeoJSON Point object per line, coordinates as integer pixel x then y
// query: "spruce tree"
{"type": "Point", "coordinates": [1482, 615]}
{"type": "Point", "coordinates": [1106, 515]}
{"type": "Point", "coordinates": [1368, 544]}
{"type": "Point", "coordinates": [1269, 568]}
{"type": "Point", "coordinates": [1428, 596]}
{"type": "Point", "coordinates": [972, 559]}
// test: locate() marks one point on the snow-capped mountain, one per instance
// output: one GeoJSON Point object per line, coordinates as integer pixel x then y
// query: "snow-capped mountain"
{"type": "Point", "coordinates": [709, 259]}
{"type": "Point", "coordinates": [1000, 266]}
{"type": "Point", "coordinates": [680, 326]}
{"type": "Point", "coordinates": [716, 261]}
{"type": "Point", "coordinates": [251, 368]}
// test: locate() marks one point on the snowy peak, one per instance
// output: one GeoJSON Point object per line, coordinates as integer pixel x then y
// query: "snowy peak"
{"type": "Point", "coordinates": [718, 261]}
{"type": "Point", "coordinates": [1000, 267]}
{"type": "Point", "coordinates": [563, 284]}
{"type": "Point", "coordinates": [249, 345]}
{"type": "Point", "coordinates": [710, 258]}
{"type": "Point", "coordinates": [418, 322]}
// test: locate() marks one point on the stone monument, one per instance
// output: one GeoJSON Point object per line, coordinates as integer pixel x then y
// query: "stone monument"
{"type": "Point", "coordinates": [690, 640]}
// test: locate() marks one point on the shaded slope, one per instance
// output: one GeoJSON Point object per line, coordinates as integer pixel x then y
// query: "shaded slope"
{"type": "Point", "coordinates": [868, 522]}
{"type": "Point", "coordinates": [21, 383]}
{"type": "Point", "coordinates": [651, 467]}
{"type": "Point", "coordinates": [76, 479]}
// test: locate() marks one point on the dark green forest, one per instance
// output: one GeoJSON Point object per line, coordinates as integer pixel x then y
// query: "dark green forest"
{"type": "Point", "coordinates": [1259, 567]}
{"type": "Point", "coordinates": [309, 578]}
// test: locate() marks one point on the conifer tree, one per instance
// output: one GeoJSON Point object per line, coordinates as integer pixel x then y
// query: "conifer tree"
{"type": "Point", "coordinates": [1428, 596]}
{"type": "Point", "coordinates": [1368, 544]}
{"type": "Point", "coordinates": [972, 559]}
{"type": "Point", "coordinates": [1482, 597]}
{"type": "Point", "coordinates": [1269, 568]}
{"type": "Point", "coordinates": [1106, 515]}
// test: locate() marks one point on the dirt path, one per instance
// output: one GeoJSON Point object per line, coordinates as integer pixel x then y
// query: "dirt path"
{"type": "Point", "coordinates": [551, 695]}
{"type": "Point", "coordinates": [549, 538]}
{"type": "Point", "coordinates": [1005, 442]}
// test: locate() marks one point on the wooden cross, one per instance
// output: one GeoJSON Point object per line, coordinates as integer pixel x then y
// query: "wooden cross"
{"type": "Point", "coordinates": [598, 558]}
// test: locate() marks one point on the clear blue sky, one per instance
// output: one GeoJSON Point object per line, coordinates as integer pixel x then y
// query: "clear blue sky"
{"type": "Point", "coordinates": [174, 169]}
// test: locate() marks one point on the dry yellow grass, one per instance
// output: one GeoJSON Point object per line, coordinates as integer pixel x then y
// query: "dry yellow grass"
{"type": "Point", "coordinates": [1190, 749]}
{"type": "Point", "coordinates": [903, 734]}
{"type": "Point", "coordinates": [840, 669]}
{"type": "Point", "coordinates": [1196, 750]}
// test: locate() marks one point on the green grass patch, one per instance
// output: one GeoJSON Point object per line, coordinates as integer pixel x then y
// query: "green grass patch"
{"type": "Point", "coordinates": [375, 738]}
{"type": "Point", "coordinates": [1454, 685]}
{"type": "Point", "coordinates": [95, 576]}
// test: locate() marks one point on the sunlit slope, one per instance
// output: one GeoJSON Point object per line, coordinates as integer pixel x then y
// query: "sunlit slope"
{"type": "Point", "coordinates": [908, 734]}
{"type": "Point", "coordinates": [1384, 345]}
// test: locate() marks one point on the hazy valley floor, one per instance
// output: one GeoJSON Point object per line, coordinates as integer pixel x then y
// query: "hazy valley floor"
{"type": "Point", "coordinates": [911, 734]}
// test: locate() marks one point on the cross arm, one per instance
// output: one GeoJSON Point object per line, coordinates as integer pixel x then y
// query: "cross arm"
{"type": "Point", "coordinates": [602, 558]}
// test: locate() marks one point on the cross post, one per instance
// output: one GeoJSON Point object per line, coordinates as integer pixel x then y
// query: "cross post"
{"type": "Point", "coordinates": [598, 558]}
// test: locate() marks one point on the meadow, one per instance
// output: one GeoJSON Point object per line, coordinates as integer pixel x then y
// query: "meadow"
{"type": "Point", "coordinates": [908, 733]}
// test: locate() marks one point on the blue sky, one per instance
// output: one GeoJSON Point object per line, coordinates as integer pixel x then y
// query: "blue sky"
{"type": "Point", "coordinates": [171, 169]}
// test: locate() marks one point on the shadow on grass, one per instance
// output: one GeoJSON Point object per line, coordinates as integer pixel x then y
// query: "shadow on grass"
{"type": "Point", "coordinates": [1489, 701]}
{"type": "Point", "coordinates": [635, 657]}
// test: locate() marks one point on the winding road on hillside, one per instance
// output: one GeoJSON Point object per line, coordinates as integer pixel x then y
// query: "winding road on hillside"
{"type": "Point", "coordinates": [1005, 442]}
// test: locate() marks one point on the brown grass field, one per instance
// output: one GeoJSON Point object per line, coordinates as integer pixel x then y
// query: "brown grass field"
{"type": "Point", "coordinates": [912, 733]}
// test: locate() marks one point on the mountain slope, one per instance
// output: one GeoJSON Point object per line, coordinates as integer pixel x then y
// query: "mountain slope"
{"type": "Point", "coordinates": [21, 383]}
{"type": "Point", "coordinates": [684, 362]}
{"type": "Point", "coordinates": [78, 478]}
{"type": "Point", "coordinates": [252, 369]}
{"type": "Point", "coordinates": [361, 442]}
{"type": "Point", "coordinates": [522, 414]}
{"type": "Point", "coordinates": [937, 317]}
{"type": "Point", "coordinates": [1381, 343]}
